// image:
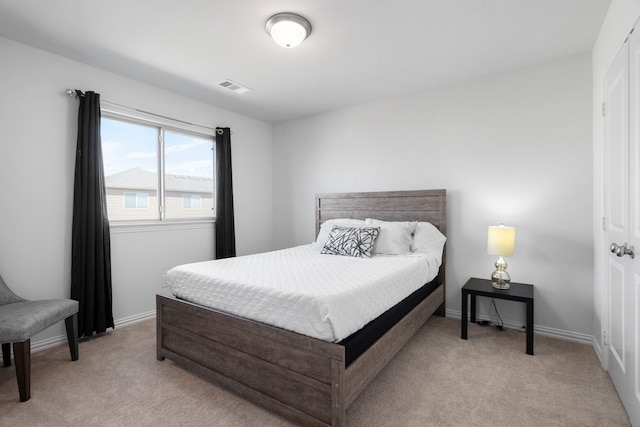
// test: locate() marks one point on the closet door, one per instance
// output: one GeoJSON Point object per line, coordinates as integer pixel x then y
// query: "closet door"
{"type": "Point", "coordinates": [632, 404]}
{"type": "Point", "coordinates": [618, 335]}
{"type": "Point", "coordinates": [622, 226]}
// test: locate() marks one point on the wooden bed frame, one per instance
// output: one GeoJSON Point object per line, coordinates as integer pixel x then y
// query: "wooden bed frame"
{"type": "Point", "coordinates": [303, 379]}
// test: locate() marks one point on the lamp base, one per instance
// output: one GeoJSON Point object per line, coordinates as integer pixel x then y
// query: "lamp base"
{"type": "Point", "coordinates": [504, 285]}
{"type": "Point", "coordinates": [500, 277]}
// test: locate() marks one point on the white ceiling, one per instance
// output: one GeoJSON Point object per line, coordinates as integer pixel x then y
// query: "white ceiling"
{"type": "Point", "coordinates": [359, 50]}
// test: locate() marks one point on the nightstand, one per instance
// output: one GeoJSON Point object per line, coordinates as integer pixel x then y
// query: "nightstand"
{"type": "Point", "coordinates": [481, 287]}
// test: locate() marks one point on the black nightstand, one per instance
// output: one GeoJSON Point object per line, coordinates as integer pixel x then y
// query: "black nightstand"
{"type": "Point", "coordinates": [481, 287]}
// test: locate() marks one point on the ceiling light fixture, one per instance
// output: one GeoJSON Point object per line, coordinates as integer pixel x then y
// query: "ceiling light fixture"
{"type": "Point", "coordinates": [288, 29]}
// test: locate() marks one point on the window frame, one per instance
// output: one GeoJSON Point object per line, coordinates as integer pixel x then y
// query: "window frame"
{"type": "Point", "coordinates": [122, 113]}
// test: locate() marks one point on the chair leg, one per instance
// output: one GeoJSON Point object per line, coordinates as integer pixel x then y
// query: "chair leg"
{"type": "Point", "coordinates": [71, 323]}
{"type": "Point", "coordinates": [6, 354]}
{"type": "Point", "coordinates": [22, 357]}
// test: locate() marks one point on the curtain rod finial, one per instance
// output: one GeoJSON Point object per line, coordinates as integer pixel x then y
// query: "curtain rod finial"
{"type": "Point", "coordinates": [70, 92]}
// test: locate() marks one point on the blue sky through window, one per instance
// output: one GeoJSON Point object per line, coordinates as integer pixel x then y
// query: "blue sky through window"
{"type": "Point", "coordinates": [188, 155]}
{"type": "Point", "coordinates": [127, 145]}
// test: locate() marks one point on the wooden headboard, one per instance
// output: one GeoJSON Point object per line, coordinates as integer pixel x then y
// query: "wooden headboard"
{"type": "Point", "coordinates": [417, 205]}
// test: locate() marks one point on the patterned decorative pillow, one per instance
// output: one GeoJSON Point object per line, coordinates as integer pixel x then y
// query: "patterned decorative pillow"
{"type": "Point", "coordinates": [356, 242]}
{"type": "Point", "coordinates": [328, 225]}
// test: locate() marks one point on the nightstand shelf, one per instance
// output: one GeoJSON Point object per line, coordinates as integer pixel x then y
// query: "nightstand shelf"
{"type": "Point", "coordinates": [480, 287]}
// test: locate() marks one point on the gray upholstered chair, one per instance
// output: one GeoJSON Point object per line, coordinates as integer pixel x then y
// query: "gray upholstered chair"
{"type": "Point", "coordinates": [20, 319]}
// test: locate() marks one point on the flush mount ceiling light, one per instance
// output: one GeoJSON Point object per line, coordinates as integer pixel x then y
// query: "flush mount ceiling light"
{"type": "Point", "coordinates": [288, 29]}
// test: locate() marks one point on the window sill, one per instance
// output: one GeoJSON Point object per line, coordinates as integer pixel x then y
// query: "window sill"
{"type": "Point", "coordinates": [117, 227]}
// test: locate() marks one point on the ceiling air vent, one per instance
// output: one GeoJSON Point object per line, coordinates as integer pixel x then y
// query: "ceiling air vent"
{"type": "Point", "coordinates": [234, 87]}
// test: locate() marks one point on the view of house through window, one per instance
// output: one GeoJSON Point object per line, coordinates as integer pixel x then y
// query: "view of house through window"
{"type": "Point", "coordinates": [154, 173]}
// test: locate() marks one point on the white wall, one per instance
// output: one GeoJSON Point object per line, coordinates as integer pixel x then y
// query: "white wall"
{"type": "Point", "coordinates": [620, 19]}
{"type": "Point", "coordinates": [513, 148]}
{"type": "Point", "coordinates": [37, 155]}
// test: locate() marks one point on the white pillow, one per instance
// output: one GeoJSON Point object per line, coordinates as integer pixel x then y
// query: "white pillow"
{"type": "Point", "coordinates": [327, 226]}
{"type": "Point", "coordinates": [427, 238]}
{"type": "Point", "coordinates": [394, 237]}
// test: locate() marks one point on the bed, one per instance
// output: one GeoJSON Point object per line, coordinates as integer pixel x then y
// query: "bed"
{"type": "Point", "coordinates": [307, 380]}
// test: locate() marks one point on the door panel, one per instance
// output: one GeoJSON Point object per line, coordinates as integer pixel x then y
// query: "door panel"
{"type": "Point", "coordinates": [616, 314]}
{"type": "Point", "coordinates": [616, 146]}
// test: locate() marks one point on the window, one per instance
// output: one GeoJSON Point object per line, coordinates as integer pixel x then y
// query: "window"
{"type": "Point", "coordinates": [156, 169]}
{"type": "Point", "coordinates": [191, 201]}
{"type": "Point", "coordinates": [136, 200]}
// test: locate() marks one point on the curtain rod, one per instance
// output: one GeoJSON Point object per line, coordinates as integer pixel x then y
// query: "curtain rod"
{"type": "Point", "coordinates": [72, 93]}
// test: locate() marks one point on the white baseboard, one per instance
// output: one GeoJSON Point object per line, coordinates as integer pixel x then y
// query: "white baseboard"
{"type": "Point", "coordinates": [62, 339]}
{"type": "Point", "coordinates": [134, 319]}
{"type": "Point", "coordinates": [598, 349]}
{"type": "Point", "coordinates": [542, 330]}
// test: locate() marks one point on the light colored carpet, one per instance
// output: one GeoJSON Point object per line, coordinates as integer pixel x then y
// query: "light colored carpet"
{"type": "Point", "coordinates": [436, 380]}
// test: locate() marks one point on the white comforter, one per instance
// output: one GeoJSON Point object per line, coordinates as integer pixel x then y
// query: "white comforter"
{"type": "Point", "coordinates": [323, 296]}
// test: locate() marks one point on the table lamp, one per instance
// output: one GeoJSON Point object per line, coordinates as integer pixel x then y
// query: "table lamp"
{"type": "Point", "coordinates": [500, 241]}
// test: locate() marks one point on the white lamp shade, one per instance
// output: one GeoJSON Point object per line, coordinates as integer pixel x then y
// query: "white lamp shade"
{"type": "Point", "coordinates": [288, 29]}
{"type": "Point", "coordinates": [501, 240]}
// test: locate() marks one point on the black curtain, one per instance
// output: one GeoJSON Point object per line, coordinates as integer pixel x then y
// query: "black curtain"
{"type": "Point", "coordinates": [90, 242]}
{"type": "Point", "coordinates": [225, 228]}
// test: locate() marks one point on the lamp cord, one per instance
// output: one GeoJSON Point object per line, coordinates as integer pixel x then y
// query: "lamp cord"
{"type": "Point", "coordinates": [501, 325]}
